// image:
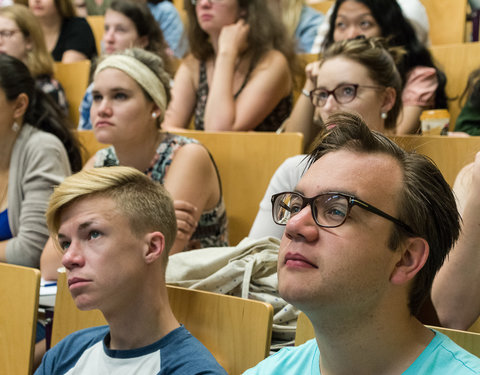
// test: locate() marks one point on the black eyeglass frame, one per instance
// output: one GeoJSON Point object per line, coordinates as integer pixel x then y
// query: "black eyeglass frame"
{"type": "Point", "coordinates": [356, 86]}
{"type": "Point", "coordinates": [352, 201]}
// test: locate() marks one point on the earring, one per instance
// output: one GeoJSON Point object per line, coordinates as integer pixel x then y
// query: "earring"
{"type": "Point", "coordinates": [384, 115]}
{"type": "Point", "coordinates": [15, 127]}
{"type": "Point", "coordinates": [154, 115]}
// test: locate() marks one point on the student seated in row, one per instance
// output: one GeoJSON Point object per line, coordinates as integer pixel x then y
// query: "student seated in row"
{"type": "Point", "coordinates": [366, 230]}
{"type": "Point", "coordinates": [357, 75]}
{"type": "Point", "coordinates": [239, 76]}
{"type": "Point", "coordinates": [130, 95]}
{"type": "Point", "coordinates": [115, 227]}
{"type": "Point", "coordinates": [423, 83]}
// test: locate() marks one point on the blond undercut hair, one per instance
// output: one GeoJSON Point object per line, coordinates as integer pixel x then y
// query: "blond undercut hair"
{"type": "Point", "coordinates": [146, 203]}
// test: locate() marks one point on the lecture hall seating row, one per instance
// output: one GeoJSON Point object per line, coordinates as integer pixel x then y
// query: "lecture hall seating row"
{"type": "Point", "coordinates": [237, 331]}
{"type": "Point", "coordinates": [247, 160]}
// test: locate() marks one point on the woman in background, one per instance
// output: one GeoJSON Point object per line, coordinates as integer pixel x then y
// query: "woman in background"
{"type": "Point", "coordinates": [128, 23]}
{"type": "Point", "coordinates": [37, 152]}
{"type": "Point", "coordinates": [357, 75]}
{"type": "Point", "coordinates": [23, 39]}
{"type": "Point", "coordinates": [424, 83]}
{"type": "Point", "coordinates": [239, 76]}
{"type": "Point", "coordinates": [68, 38]}
{"type": "Point", "coordinates": [130, 95]}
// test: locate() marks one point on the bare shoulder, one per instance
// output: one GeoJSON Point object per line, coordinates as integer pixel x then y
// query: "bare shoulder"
{"type": "Point", "coordinates": [188, 72]}
{"type": "Point", "coordinates": [190, 65]}
{"type": "Point", "coordinates": [190, 62]}
{"type": "Point", "coordinates": [194, 159]}
{"type": "Point", "coordinates": [275, 58]}
{"type": "Point", "coordinates": [90, 163]}
{"type": "Point", "coordinates": [193, 152]}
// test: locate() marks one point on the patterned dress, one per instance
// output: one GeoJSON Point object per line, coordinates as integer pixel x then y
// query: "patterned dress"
{"type": "Point", "coordinates": [212, 225]}
{"type": "Point", "coordinates": [271, 123]}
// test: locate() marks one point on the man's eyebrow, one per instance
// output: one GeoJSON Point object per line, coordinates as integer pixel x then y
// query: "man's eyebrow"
{"type": "Point", "coordinates": [80, 228]}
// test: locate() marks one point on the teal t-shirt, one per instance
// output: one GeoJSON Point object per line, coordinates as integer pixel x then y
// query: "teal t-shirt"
{"type": "Point", "coordinates": [442, 356]}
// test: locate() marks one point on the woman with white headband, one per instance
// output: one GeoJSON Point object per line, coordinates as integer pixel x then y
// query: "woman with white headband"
{"type": "Point", "coordinates": [130, 95]}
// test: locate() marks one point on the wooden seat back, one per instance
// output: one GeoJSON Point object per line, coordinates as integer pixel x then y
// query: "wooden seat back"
{"type": "Point", "coordinates": [19, 293]}
{"type": "Point", "coordinates": [97, 24]}
{"type": "Point", "coordinates": [457, 62]}
{"type": "Point", "coordinates": [469, 341]}
{"type": "Point", "coordinates": [246, 161]}
{"type": "Point", "coordinates": [447, 20]}
{"type": "Point", "coordinates": [236, 331]}
{"type": "Point", "coordinates": [450, 154]}
{"type": "Point", "coordinates": [322, 6]}
{"type": "Point", "coordinates": [74, 78]}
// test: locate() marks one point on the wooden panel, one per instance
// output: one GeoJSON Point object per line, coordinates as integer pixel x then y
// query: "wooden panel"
{"type": "Point", "coordinates": [457, 61]}
{"type": "Point", "coordinates": [304, 330]}
{"type": "Point", "coordinates": [97, 24]}
{"type": "Point", "coordinates": [179, 4]}
{"type": "Point", "coordinates": [67, 318]}
{"type": "Point", "coordinates": [236, 331]}
{"type": "Point", "coordinates": [246, 161]}
{"type": "Point", "coordinates": [469, 341]}
{"type": "Point", "coordinates": [450, 154]}
{"type": "Point", "coordinates": [74, 79]}
{"type": "Point", "coordinates": [321, 6]}
{"type": "Point", "coordinates": [447, 20]}
{"type": "Point", "coordinates": [475, 326]}
{"type": "Point", "coordinates": [89, 144]}
{"type": "Point", "coordinates": [19, 288]}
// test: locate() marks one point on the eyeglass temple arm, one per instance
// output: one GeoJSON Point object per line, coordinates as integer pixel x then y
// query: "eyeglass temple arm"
{"type": "Point", "coordinates": [375, 210]}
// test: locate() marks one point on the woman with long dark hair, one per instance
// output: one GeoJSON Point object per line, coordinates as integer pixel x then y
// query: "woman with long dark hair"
{"type": "Point", "coordinates": [37, 152]}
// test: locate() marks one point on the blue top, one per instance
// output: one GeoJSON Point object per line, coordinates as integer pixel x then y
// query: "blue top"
{"type": "Point", "coordinates": [84, 122]}
{"type": "Point", "coordinates": [5, 232]}
{"type": "Point", "coordinates": [442, 356]}
{"type": "Point", "coordinates": [171, 24]}
{"type": "Point", "coordinates": [87, 352]}
{"type": "Point", "coordinates": [307, 28]}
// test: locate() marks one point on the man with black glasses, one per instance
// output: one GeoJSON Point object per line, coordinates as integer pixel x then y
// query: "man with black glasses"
{"type": "Point", "coordinates": [366, 229]}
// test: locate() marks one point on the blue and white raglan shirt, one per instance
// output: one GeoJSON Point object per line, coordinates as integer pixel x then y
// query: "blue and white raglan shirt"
{"type": "Point", "coordinates": [87, 352]}
{"type": "Point", "coordinates": [441, 357]}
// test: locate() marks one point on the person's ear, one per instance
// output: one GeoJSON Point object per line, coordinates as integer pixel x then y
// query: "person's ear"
{"type": "Point", "coordinates": [154, 246]}
{"type": "Point", "coordinates": [28, 44]}
{"type": "Point", "coordinates": [389, 97]}
{"type": "Point", "coordinates": [20, 105]}
{"type": "Point", "coordinates": [415, 251]}
{"type": "Point", "coordinates": [142, 42]}
{"type": "Point", "coordinates": [242, 14]}
{"type": "Point", "coordinates": [156, 113]}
